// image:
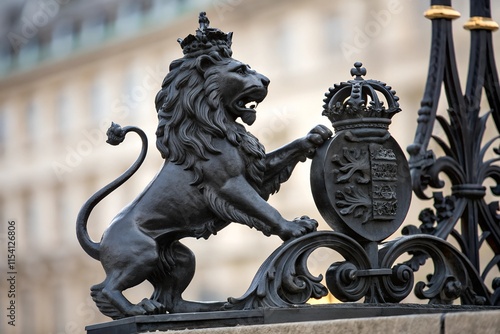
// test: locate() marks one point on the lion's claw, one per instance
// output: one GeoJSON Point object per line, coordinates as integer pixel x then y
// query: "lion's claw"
{"type": "Point", "coordinates": [146, 306]}
{"type": "Point", "coordinates": [298, 227]}
{"type": "Point", "coordinates": [309, 224]}
{"type": "Point", "coordinates": [316, 137]}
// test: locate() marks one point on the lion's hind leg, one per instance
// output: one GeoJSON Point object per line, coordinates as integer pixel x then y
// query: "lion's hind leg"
{"type": "Point", "coordinates": [126, 268]}
{"type": "Point", "coordinates": [103, 303]}
{"type": "Point", "coordinates": [175, 271]}
{"type": "Point", "coordinates": [110, 309]}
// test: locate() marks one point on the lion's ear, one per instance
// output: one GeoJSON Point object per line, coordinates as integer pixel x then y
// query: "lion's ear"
{"type": "Point", "coordinates": [203, 63]}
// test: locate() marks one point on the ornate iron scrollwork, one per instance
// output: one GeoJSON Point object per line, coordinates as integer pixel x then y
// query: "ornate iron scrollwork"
{"type": "Point", "coordinates": [284, 280]}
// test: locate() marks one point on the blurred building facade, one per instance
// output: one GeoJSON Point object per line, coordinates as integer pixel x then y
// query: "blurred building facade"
{"type": "Point", "coordinates": [70, 67]}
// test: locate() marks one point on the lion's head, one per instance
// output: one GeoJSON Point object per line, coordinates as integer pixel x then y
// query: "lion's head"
{"type": "Point", "coordinates": [241, 89]}
{"type": "Point", "coordinates": [201, 98]}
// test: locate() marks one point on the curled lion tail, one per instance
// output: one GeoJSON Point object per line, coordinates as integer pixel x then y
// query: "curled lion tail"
{"type": "Point", "coordinates": [116, 135]}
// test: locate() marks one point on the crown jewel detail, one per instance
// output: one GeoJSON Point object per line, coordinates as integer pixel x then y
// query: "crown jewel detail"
{"type": "Point", "coordinates": [357, 101]}
{"type": "Point", "coordinates": [206, 39]}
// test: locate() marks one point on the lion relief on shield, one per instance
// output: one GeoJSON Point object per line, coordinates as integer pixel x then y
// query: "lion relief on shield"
{"type": "Point", "coordinates": [215, 173]}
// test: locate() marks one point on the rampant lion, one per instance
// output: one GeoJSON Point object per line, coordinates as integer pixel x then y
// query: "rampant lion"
{"type": "Point", "coordinates": [215, 172]}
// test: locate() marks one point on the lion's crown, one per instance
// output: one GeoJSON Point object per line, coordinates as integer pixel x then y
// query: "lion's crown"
{"type": "Point", "coordinates": [206, 39]}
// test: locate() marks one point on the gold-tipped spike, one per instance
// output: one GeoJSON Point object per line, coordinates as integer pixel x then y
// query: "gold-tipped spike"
{"type": "Point", "coordinates": [441, 12]}
{"type": "Point", "coordinates": [479, 22]}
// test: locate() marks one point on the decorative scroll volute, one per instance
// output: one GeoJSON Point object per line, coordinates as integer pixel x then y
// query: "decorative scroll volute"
{"type": "Point", "coordinates": [360, 179]}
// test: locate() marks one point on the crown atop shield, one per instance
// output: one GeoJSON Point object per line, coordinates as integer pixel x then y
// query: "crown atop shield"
{"type": "Point", "coordinates": [359, 103]}
{"type": "Point", "coordinates": [206, 39]}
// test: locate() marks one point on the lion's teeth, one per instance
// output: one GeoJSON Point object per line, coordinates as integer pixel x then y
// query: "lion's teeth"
{"type": "Point", "coordinates": [251, 105]}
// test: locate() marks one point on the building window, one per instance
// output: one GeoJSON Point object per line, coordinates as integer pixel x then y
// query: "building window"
{"type": "Point", "coordinates": [59, 303]}
{"type": "Point", "coordinates": [29, 53]}
{"type": "Point", "coordinates": [63, 110]}
{"type": "Point", "coordinates": [3, 130]}
{"type": "Point", "coordinates": [286, 44]}
{"type": "Point", "coordinates": [27, 304]}
{"type": "Point", "coordinates": [64, 216]}
{"type": "Point", "coordinates": [33, 122]}
{"type": "Point", "coordinates": [93, 30]}
{"type": "Point", "coordinates": [164, 10]}
{"type": "Point", "coordinates": [62, 39]}
{"type": "Point", "coordinates": [135, 93]}
{"type": "Point", "coordinates": [5, 58]}
{"type": "Point", "coordinates": [334, 32]}
{"type": "Point", "coordinates": [2, 215]}
{"type": "Point", "coordinates": [98, 101]}
{"type": "Point", "coordinates": [128, 17]}
{"type": "Point", "coordinates": [32, 222]}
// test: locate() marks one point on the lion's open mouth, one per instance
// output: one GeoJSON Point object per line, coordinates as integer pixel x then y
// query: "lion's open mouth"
{"type": "Point", "coordinates": [248, 105]}
{"type": "Point", "coordinates": [249, 100]}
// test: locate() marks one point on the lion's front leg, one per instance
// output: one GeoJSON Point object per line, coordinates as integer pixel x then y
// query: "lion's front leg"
{"type": "Point", "coordinates": [298, 150]}
{"type": "Point", "coordinates": [230, 196]}
{"type": "Point", "coordinates": [281, 162]}
{"type": "Point", "coordinates": [237, 201]}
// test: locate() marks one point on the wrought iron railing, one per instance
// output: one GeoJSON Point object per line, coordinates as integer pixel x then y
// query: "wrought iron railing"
{"type": "Point", "coordinates": [465, 215]}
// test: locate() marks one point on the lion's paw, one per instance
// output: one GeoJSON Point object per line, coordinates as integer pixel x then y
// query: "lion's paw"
{"type": "Point", "coordinates": [146, 306]}
{"type": "Point", "coordinates": [298, 227]}
{"type": "Point", "coordinates": [316, 137]}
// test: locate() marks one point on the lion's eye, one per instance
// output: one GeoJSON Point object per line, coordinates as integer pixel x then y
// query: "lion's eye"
{"type": "Point", "coordinates": [241, 70]}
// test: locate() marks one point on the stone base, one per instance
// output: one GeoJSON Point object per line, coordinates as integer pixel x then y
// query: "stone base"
{"type": "Point", "coordinates": [397, 318]}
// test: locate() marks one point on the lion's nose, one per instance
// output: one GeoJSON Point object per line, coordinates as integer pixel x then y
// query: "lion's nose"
{"type": "Point", "coordinates": [265, 80]}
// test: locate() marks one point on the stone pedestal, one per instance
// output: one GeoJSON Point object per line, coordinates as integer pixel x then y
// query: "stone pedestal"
{"type": "Point", "coordinates": [339, 318]}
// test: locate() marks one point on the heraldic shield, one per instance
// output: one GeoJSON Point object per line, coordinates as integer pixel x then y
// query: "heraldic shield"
{"type": "Point", "coordinates": [360, 178]}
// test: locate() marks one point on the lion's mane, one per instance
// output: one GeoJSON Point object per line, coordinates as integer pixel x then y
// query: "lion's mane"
{"type": "Point", "coordinates": [191, 114]}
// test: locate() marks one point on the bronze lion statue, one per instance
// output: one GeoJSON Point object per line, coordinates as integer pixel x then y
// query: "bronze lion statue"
{"type": "Point", "coordinates": [215, 172]}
